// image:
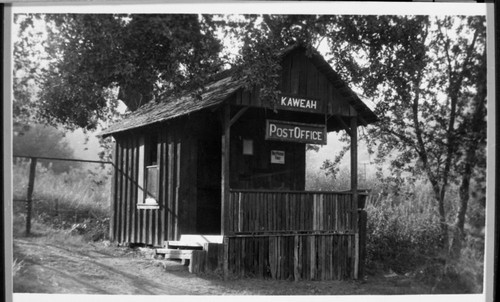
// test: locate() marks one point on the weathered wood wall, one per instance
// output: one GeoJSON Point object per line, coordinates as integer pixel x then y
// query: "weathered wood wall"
{"type": "Point", "coordinates": [130, 224]}
{"type": "Point", "coordinates": [300, 77]}
{"type": "Point", "coordinates": [146, 226]}
{"type": "Point", "coordinates": [293, 235]}
{"type": "Point", "coordinates": [294, 256]}
{"type": "Point", "coordinates": [256, 171]}
{"type": "Point", "coordinates": [179, 176]}
{"type": "Point", "coordinates": [256, 211]}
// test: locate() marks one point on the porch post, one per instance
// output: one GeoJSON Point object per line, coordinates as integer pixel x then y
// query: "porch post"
{"type": "Point", "coordinates": [354, 186]}
{"type": "Point", "coordinates": [225, 168]}
{"type": "Point", "coordinates": [225, 184]}
{"type": "Point", "coordinates": [354, 159]}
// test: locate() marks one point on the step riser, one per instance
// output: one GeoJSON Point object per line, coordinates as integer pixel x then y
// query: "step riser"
{"type": "Point", "coordinates": [175, 254]}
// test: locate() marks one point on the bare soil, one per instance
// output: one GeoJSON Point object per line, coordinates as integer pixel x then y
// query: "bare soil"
{"type": "Point", "coordinates": [72, 267]}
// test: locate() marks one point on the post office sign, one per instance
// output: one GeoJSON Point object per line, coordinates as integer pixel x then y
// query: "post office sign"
{"type": "Point", "coordinates": [295, 132]}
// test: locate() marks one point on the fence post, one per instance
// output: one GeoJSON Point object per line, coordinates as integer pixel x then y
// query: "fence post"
{"type": "Point", "coordinates": [29, 200]}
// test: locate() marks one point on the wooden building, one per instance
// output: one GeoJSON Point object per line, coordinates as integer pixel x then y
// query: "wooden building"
{"type": "Point", "coordinates": [231, 166]}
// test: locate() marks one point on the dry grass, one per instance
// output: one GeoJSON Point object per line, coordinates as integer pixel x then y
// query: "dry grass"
{"type": "Point", "coordinates": [16, 267]}
{"type": "Point", "coordinates": [77, 200]}
{"type": "Point", "coordinates": [403, 233]}
{"type": "Point", "coordinates": [84, 186]}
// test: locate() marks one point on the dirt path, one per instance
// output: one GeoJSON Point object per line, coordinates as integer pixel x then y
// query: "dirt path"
{"type": "Point", "coordinates": [96, 271]}
{"type": "Point", "coordinates": [52, 267]}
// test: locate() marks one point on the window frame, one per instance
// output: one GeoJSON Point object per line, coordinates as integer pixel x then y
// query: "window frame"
{"type": "Point", "coordinates": [144, 199]}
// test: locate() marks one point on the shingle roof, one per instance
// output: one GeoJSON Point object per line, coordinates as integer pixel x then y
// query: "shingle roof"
{"type": "Point", "coordinates": [171, 107]}
{"type": "Point", "coordinates": [218, 90]}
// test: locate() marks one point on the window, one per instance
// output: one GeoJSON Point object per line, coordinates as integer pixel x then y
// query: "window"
{"type": "Point", "coordinates": [148, 172]}
{"type": "Point", "coordinates": [247, 147]}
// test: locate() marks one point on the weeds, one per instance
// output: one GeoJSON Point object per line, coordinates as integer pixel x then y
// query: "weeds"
{"type": "Point", "coordinates": [403, 233]}
{"type": "Point", "coordinates": [16, 267]}
{"type": "Point", "coordinates": [76, 200]}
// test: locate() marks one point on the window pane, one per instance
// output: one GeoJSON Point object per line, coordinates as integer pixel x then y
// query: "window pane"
{"type": "Point", "coordinates": [153, 150]}
{"type": "Point", "coordinates": [152, 181]}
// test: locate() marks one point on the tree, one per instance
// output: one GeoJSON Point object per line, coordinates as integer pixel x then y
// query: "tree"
{"type": "Point", "coordinates": [429, 79]}
{"type": "Point", "coordinates": [28, 55]}
{"type": "Point", "coordinates": [44, 141]}
{"type": "Point", "coordinates": [141, 56]}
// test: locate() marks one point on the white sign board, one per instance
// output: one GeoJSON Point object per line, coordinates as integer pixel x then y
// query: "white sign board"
{"type": "Point", "coordinates": [277, 157]}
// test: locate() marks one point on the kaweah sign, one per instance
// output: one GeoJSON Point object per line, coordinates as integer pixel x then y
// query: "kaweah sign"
{"type": "Point", "coordinates": [295, 132]}
{"type": "Point", "coordinates": [299, 104]}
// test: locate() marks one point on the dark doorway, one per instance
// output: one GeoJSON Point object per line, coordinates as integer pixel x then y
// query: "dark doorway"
{"type": "Point", "coordinates": [209, 187]}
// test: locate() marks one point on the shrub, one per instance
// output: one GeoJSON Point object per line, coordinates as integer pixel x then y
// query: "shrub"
{"type": "Point", "coordinates": [464, 275]}
{"type": "Point", "coordinates": [403, 228]}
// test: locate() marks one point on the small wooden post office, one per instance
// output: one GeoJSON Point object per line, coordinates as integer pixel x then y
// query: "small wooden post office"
{"type": "Point", "coordinates": [230, 165]}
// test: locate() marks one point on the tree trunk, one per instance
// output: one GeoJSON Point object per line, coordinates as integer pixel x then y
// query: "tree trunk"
{"type": "Point", "coordinates": [458, 229]}
{"type": "Point", "coordinates": [442, 215]}
{"type": "Point", "coordinates": [473, 143]}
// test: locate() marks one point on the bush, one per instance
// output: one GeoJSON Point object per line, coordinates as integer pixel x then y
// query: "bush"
{"type": "Point", "coordinates": [402, 233]}
{"type": "Point", "coordinates": [403, 230]}
{"type": "Point", "coordinates": [92, 229]}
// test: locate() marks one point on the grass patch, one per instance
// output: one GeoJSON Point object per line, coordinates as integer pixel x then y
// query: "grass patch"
{"type": "Point", "coordinates": [16, 267]}
{"type": "Point", "coordinates": [77, 200]}
{"type": "Point", "coordinates": [403, 232]}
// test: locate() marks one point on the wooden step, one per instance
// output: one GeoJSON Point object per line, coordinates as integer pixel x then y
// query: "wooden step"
{"type": "Point", "coordinates": [183, 245]}
{"type": "Point", "coordinates": [175, 253]}
{"type": "Point", "coordinates": [193, 241]}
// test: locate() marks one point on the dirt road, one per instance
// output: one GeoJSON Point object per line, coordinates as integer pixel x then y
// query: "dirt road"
{"type": "Point", "coordinates": [94, 271]}
{"type": "Point", "coordinates": [53, 267]}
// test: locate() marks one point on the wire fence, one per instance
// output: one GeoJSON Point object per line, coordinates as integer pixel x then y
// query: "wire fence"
{"type": "Point", "coordinates": [62, 199]}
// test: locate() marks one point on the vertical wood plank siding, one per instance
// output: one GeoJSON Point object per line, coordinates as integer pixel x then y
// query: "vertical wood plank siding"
{"type": "Point", "coordinates": [291, 211]}
{"type": "Point", "coordinates": [300, 77]}
{"type": "Point", "coordinates": [129, 224]}
{"type": "Point", "coordinates": [293, 235]}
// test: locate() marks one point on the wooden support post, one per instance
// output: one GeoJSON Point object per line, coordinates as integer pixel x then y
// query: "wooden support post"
{"type": "Point", "coordinates": [362, 120]}
{"type": "Point", "coordinates": [225, 168]}
{"type": "Point", "coordinates": [354, 180]}
{"type": "Point", "coordinates": [114, 186]}
{"type": "Point", "coordinates": [344, 125]}
{"type": "Point", "coordinates": [237, 116]}
{"type": "Point", "coordinates": [226, 126]}
{"type": "Point", "coordinates": [177, 201]}
{"type": "Point", "coordinates": [356, 256]}
{"type": "Point", "coordinates": [225, 257]}
{"type": "Point", "coordinates": [29, 196]}
{"type": "Point", "coordinates": [296, 249]}
{"type": "Point", "coordinates": [354, 158]}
